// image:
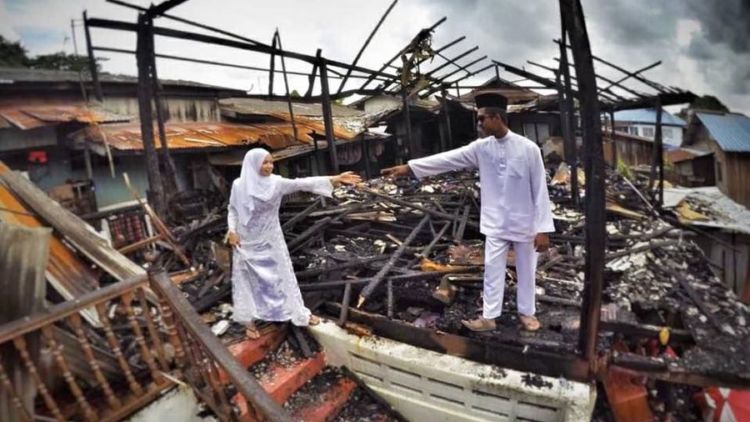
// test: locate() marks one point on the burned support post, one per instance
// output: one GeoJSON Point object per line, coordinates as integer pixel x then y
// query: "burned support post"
{"type": "Point", "coordinates": [345, 303]}
{"type": "Point", "coordinates": [657, 160]}
{"type": "Point", "coordinates": [328, 116]}
{"type": "Point", "coordinates": [272, 65]}
{"type": "Point", "coordinates": [572, 14]}
{"type": "Point", "coordinates": [367, 42]}
{"type": "Point", "coordinates": [155, 194]}
{"type": "Point", "coordinates": [167, 165]}
{"type": "Point", "coordinates": [614, 143]}
{"type": "Point", "coordinates": [448, 135]}
{"type": "Point", "coordinates": [407, 123]}
{"type": "Point", "coordinates": [367, 291]}
{"type": "Point", "coordinates": [570, 126]}
{"type": "Point", "coordinates": [286, 87]}
{"type": "Point", "coordinates": [92, 60]}
{"type": "Point", "coordinates": [311, 78]}
{"type": "Point", "coordinates": [365, 143]}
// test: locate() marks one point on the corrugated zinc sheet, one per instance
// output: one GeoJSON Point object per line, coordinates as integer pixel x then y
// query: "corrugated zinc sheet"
{"type": "Point", "coordinates": [648, 115]}
{"type": "Point", "coordinates": [190, 135]}
{"type": "Point", "coordinates": [22, 262]}
{"type": "Point", "coordinates": [66, 272]}
{"type": "Point", "coordinates": [731, 131]}
{"type": "Point", "coordinates": [24, 116]}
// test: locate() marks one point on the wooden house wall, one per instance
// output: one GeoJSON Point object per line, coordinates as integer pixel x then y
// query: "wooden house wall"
{"type": "Point", "coordinates": [732, 171]}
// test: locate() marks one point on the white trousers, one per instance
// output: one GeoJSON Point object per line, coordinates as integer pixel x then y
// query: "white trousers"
{"type": "Point", "coordinates": [495, 259]}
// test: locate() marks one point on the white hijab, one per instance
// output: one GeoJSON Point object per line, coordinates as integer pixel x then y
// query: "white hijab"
{"type": "Point", "coordinates": [251, 185]}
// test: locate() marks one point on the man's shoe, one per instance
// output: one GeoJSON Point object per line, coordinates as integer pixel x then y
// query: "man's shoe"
{"type": "Point", "coordinates": [529, 322]}
{"type": "Point", "coordinates": [480, 324]}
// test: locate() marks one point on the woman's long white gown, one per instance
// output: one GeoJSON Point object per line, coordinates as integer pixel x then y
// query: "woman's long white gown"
{"type": "Point", "coordinates": [264, 286]}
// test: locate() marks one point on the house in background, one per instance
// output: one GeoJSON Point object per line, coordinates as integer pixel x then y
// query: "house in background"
{"type": "Point", "coordinates": [726, 136]}
{"type": "Point", "coordinates": [41, 110]}
{"type": "Point", "coordinates": [642, 123]}
{"type": "Point", "coordinates": [690, 167]}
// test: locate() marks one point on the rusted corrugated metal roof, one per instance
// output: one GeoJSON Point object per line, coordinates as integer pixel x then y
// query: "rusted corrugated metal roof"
{"type": "Point", "coordinates": [66, 272]}
{"type": "Point", "coordinates": [235, 107]}
{"type": "Point", "coordinates": [191, 135]}
{"type": "Point", "coordinates": [23, 115]}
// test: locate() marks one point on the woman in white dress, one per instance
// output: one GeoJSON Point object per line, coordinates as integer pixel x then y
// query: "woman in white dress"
{"type": "Point", "coordinates": [264, 286]}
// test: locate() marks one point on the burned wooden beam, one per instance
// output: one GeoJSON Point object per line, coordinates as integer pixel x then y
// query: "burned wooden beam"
{"type": "Point", "coordinates": [328, 116]}
{"type": "Point", "coordinates": [496, 353]}
{"type": "Point", "coordinates": [155, 182]}
{"type": "Point", "coordinates": [572, 13]}
{"type": "Point", "coordinates": [364, 46]}
{"type": "Point", "coordinates": [437, 214]}
{"type": "Point", "coordinates": [346, 265]}
{"type": "Point", "coordinates": [345, 304]}
{"type": "Point", "coordinates": [289, 224]}
{"type": "Point", "coordinates": [367, 291]}
{"type": "Point", "coordinates": [92, 60]}
{"type": "Point", "coordinates": [662, 369]}
{"type": "Point", "coordinates": [415, 276]}
{"type": "Point", "coordinates": [209, 39]}
{"type": "Point", "coordinates": [420, 35]}
{"type": "Point", "coordinates": [312, 230]}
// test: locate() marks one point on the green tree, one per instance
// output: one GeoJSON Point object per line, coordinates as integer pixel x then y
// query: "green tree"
{"type": "Point", "coordinates": [12, 54]}
{"type": "Point", "coordinates": [61, 61]}
{"type": "Point", "coordinates": [708, 102]}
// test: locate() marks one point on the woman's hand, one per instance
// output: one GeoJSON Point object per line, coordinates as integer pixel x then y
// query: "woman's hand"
{"type": "Point", "coordinates": [346, 178]}
{"type": "Point", "coordinates": [233, 239]}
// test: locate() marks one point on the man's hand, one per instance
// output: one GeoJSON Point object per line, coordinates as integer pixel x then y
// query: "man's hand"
{"type": "Point", "coordinates": [233, 239]}
{"type": "Point", "coordinates": [397, 171]}
{"type": "Point", "coordinates": [541, 242]}
{"type": "Point", "coordinates": [346, 178]}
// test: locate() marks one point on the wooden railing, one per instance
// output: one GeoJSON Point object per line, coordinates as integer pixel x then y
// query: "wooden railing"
{"type": "Point", "coordinates": [202, 357]}
{"type": "Point", "coordinates": [107, 373]}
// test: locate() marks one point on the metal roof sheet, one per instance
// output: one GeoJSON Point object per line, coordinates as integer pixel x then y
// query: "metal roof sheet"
{"type": "Point", "coordinates": [24, 114]}
{"type": "Point", "coordinates": [727, 214]}
{"type": "Point", "coordinates": [648, 115]}
{"type": "Point", "coordinates": [730, 130]}
{"type": "Point", "coordinates": [191, 135]}
{"type": "Point", "coordinates": [66, 272]}
{"type": "Point", "coordinates": [265, 107]}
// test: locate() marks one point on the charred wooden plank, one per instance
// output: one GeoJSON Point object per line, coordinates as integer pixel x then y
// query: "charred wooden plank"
{"type": "Point", "coordinates": [391, 262]}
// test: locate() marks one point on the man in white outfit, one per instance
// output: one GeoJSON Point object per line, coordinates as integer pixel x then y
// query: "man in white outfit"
{"type": "Point", "coordinates": [516, 209]}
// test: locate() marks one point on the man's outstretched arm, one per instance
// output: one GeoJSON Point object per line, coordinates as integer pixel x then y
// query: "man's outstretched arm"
{"type": "Point", "coordinates": [456, 159]}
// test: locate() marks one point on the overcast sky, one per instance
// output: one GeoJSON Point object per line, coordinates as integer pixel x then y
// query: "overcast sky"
{"type": "Point", "coordinates": [704, 46]}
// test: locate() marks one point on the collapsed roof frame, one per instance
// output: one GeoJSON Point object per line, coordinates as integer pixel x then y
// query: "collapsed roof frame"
{"type": "Point", "coordinates": [149, 88]}
{"type": "Point", "coordinates": [609, 101]}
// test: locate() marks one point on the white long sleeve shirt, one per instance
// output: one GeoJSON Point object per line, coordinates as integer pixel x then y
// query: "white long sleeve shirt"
{"type": "Point", "coordinates": [515, 201]}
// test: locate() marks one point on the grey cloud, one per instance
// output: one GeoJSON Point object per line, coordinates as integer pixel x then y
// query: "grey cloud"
{"type": "Point", "coordinates": [724, 22]}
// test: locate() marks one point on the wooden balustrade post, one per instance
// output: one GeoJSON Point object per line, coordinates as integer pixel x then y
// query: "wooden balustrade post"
{"type": "Point", "coordinates": [75, 322]}
{"type": "Point", "coordinates": [88, 412]}
{"type": "Point", "coordinates": [49, 401]}
{"type": "Point", "coordinates": [8, 386]}
{"type": "Point", "coordinates": [115, 346]}
{"type": "Point", "coordinates": [127, 299]}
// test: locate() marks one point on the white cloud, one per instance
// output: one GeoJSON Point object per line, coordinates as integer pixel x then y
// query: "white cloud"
{"type": "Point", "coordinates": [515, 32]}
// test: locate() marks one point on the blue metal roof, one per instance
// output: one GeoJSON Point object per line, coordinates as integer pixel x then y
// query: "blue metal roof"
{"type": "Point", "coordinates": [648, 115]}
{"type": "Point", "coordinates": [731, 131]}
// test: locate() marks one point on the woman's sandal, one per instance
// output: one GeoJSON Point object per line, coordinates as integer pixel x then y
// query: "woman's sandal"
{"type": "Point", "coordinates": [252, 333]}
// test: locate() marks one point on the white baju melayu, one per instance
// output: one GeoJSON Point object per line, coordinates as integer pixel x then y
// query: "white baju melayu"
{"type": "Point", "coordinates": [515, 207]}
{"type": "Point", "coordinates": [264, 286]}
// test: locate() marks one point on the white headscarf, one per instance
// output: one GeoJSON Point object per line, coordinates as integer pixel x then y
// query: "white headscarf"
{"type": "Point", "coordinates": [251, 185]}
